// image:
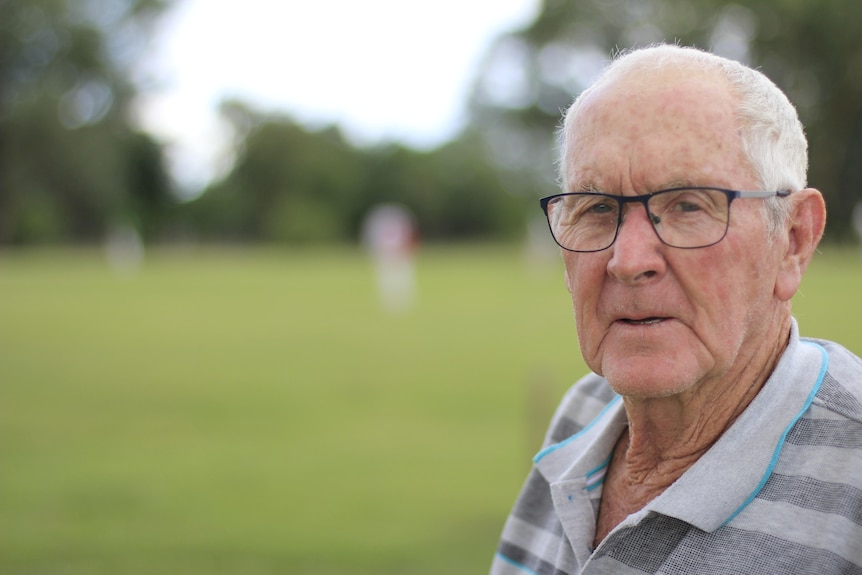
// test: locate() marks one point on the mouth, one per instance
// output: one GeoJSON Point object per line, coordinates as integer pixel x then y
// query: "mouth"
{"type": "Point", "coordinates": [644, 321]}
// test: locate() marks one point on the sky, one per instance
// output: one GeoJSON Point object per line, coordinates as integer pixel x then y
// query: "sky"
{"type": "Point", "coordinates": [383, 70]}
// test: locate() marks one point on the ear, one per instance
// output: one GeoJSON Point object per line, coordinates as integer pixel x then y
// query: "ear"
{"type": "Point", "coordinates": [804, 228]}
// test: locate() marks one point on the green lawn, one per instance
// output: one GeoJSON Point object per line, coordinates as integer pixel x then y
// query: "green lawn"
{"type": "Point", "coordinates": [254, 411]}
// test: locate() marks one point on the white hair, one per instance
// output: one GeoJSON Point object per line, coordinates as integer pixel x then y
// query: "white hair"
{"type": "Point", "coordinates": [773, 138]}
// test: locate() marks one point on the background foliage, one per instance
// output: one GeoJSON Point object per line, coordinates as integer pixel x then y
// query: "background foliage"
{"type": "Point", "coordinates": [73, 165]}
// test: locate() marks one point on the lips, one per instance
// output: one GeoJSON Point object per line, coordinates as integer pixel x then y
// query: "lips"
{"type": "Point", "coordinates": [644, 321]}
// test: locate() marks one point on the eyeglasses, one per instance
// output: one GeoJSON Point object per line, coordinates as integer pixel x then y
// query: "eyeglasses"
{"type": "Point", "coordinates": [687, 218]}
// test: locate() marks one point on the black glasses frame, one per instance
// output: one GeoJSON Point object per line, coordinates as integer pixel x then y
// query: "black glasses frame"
{"type": "Point", "coordinates": [644, 199]}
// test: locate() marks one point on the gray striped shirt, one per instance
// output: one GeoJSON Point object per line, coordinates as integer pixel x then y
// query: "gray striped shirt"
{"type": "Point", "coordinates": [779, 492]}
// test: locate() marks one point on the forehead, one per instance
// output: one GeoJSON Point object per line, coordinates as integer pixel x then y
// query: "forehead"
{"type": "Point", "coordinates": [640, 133]}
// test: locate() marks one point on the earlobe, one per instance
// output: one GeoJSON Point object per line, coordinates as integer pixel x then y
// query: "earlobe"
{"type": "Point", "coordinates": [804, 227]}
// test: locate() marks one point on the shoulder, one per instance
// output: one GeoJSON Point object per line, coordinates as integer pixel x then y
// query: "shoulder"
{"type": "Point", "coordinates": [581, 404]}
{"type": "Point", "coordinates": [840, 391]}
{"type": "Point", "coordinates": [814, 489]}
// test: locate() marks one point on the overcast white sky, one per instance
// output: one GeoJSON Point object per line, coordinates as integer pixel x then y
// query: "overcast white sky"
{"type": "Point", "coordinates": [382, 69]}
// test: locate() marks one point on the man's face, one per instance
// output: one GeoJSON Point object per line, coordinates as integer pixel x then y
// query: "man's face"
{"type": "Point", "coordinates": [655, 320]}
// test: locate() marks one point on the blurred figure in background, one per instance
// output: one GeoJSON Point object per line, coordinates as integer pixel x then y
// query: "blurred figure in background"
{"type": "Point", "coordinates": [857, 223]}
{"type": "Point", "coordinates": [124, 249]}
{"type": "Point", "coordinates": [711, 436]}
{"type": "Point", "coordinates": [390, 235]}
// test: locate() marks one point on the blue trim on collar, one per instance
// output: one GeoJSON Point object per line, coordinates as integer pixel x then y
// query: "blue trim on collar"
{"type": "Point", "coordinates": [596, 477]}
{"type": "Point", "coordinates": [778, 448]}
{"type": "Point", "coordinates": [515, 564]}
{"type": "Point", "coordinates": [556, 446]}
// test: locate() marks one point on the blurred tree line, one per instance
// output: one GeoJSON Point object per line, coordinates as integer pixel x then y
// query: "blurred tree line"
{"type": "Point", "coordinates": [293, 185]}
{"type": "Point", "coordinates": [73, 164]}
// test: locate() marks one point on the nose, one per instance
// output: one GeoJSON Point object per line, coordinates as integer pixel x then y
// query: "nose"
{"type": "Point", "coordinates": [637, 255]}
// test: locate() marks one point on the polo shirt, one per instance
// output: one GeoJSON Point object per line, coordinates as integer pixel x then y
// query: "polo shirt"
{"type": "Point", "coordinates": [779, 492]}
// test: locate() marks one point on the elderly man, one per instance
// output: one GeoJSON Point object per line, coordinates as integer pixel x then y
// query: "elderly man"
{"type": "Point", "coordinates": [710, 438]}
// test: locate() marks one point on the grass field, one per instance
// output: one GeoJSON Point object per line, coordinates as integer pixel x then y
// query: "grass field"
{"type": "Point", "coordinates": [253, 411]}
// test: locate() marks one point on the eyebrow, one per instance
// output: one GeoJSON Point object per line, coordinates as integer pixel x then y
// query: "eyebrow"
{"type": "Point", "coordinates": [590, 188]}
{"type": "Point", "coordinates": [686, 183]}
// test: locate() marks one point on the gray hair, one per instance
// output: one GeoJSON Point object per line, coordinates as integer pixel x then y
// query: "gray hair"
{"type": "Point", "coordinates": [773, 138]}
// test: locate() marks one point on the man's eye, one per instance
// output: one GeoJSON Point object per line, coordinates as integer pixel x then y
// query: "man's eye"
{"type": "Point", "coordinates": [601, 208]}
{"type": "Point", "coordinates": [686, 203]}
{"type": "Point", "coordinates": [683, 206]}
{"type": "Point", "coordinates": [595, 207]}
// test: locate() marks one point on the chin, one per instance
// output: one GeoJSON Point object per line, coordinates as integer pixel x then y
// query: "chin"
{"type": "Point", "coordinates": [640, 380]}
